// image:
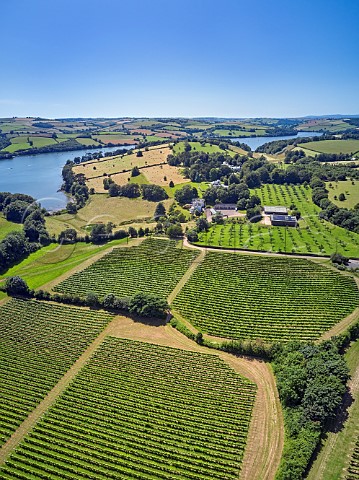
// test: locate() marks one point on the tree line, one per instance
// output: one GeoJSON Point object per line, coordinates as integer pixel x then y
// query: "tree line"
{"type": "Point", "coordinates": [21, 208]}
{"type": "Point", "coordinates": [142, 304]}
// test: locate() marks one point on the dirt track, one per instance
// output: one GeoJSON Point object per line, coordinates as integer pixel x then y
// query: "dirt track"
{"type": "Point", "coordinates": [266, 434]}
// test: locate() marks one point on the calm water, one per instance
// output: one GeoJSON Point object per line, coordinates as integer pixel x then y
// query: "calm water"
{"type": "Point", "coordinates": [40, 175]}
{"type": "Point", "coordinates": [255, 142]}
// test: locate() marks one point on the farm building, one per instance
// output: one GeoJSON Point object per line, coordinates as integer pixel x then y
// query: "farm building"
{"type": "Point", "coordinates": [275, 210]}
{"type": "Point", "coordinates": [283, 221]}
{"type": "Point", "coordinates": [218, 183]}
{"type": "Point", "coordinates": [197, 205]}
{"type": "Point", "coordinates": [235, 168]}
{"type": "Point", "coordinates": [225, 206]}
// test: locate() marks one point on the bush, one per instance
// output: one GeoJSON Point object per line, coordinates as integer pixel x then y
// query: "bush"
{"type": "Point", "coordinates": [16, 286]}
{"type": "Point", "coordinates": [148, 305]}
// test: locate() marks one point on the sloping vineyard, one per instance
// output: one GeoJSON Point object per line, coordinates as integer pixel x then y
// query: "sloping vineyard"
{"type": "Point", "coordinates": [272, 298]}
{"type": "Point", "coordinates": [38, 343]}
{"type": "Point", "coordinates": [314, 235]}
{"type": "Point", "coordinates": [155, 266]}
{"type": "Point", "coordinates": [141, 411]}
{"type": "Point", "coordinates": [353, 469]}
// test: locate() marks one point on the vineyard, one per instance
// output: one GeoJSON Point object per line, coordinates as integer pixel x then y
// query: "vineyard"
{"type": "Point", "coordinates": [313, 236]}
{"type": "Point", "coordinates": [155, 266]}
{"type": "Point", "coordinates": [353, 469]}
{"type": "Point", "coordinates": [38, 343]}
{"type": "Point", "coordinates": [140, 411]}
{"type": "Point", "coordinates": [272, 298]}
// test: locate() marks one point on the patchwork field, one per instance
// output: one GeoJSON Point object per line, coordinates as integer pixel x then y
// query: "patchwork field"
{"type": "Point", "coordinates": [155, 266]}
{"type": "Point", "coordinates": [38, 343]}
{"type": "Point", "coordinates": [271, 298]}
{"type": "Point", "coordinates": [117, 138]}
{"type": "Point", "coordinates": [313, 236]}
{"type": "Point", "coordinates": [332, 146]}
{"type": "Point", "coordinates": [184, 416]}
{"type": "Point", "coordinates": [324, 125]}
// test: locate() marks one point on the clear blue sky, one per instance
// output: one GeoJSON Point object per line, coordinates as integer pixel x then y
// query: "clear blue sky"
{"type": "Point", "coordinates": [230, 58]}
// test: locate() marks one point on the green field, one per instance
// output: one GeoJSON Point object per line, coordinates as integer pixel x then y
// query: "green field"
{"type": "Point", "coordinates": [238, 133]}
{"type": "Point", "coordinates": [200, 186]}
{"type": "Point", "coordinates": [349, 188]}
{"type": "Point", "coordinates": [52, 261]}
{"type": "Point", "coordinates": [39, 343]}
{"type": "Point", "coordinates": [21, 143]}
{"type": "Point", "coordinates": [197, 147]}
{"type": "Point", "coordinates": [140, 411]}
{"type": "Point", "coordinates": [272, 298]}
{"type": "Point", "coordinates": [313, 236]}
{"type": "Point", "coordinates": [6, 227]}
{"type": "Point", "coordinates": [87, 141]}
{"type": "Point", "coordinates": [332, 146]}
{"type": "Point", "coordinates": [155, 266]}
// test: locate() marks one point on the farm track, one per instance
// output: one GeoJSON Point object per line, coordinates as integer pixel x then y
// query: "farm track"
{"type": "Point", "coordinates": [266, 434]}
{"type": "Point", "coordinates": [51, 397]}
{"type": "Point", "coordinates": [186, 276]}
{"type": "Point", "coordinates": [186, 243]}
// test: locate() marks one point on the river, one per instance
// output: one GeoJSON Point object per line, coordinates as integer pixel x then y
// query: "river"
{"type": "Point", "coordinates": [255, 142]}
{"type": "Point", "coordinates": [40, 175]}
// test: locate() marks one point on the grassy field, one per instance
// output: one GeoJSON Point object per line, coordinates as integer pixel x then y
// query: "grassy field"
{"type": "Point", "coordinates": [337, 450]}
{"type": "Point", "coordinates": [271, 298]}
{"type": "Point", "coordinates": [163, 174]}
{"type": "Point", "coordinates": [6, 227]}
{"type": "Point", "coordinates": [101, 208]}
{"type": "Point", "coordinates": [185, 415]}
{"type": "Point", "coordinates": [332, 146]}
{"type": "Point", "coordinates": [39, 342]}
{"type": "Point", "coordinates": [52, 261]}
{"type": "Point", "coordinates": [197, 146]}
{"type": "Point", "coordinates": [119, 168]}
{"type": "Point", "coordinates": [21, 142]}
{"type": "Point", "coordinates": [313, 236]}
{"type": "Point", "coordinates": [201, 188]}
{"type": "Point", "coordinates": [350, 190]}
{"type": "Point", "coordinates": [119, 163]}
{"type": "Point", "coordinates": [87, 141]}
{"type": "Point", "coordinates": [238, 133]}
{"type": "Point", "coordinates": [155, 266]}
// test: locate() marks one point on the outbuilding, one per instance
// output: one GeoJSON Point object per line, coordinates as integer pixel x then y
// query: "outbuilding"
{"type": "Point", "coordinates": [283, 220]}
{"type": "Point", "coordinates": [225, 206]}
{"type": "Point", "coordinates": [275, 210]}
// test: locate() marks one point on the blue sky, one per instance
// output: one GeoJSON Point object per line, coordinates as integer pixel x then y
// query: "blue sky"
{"type": "Point", "coordinates": [228, 58]}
